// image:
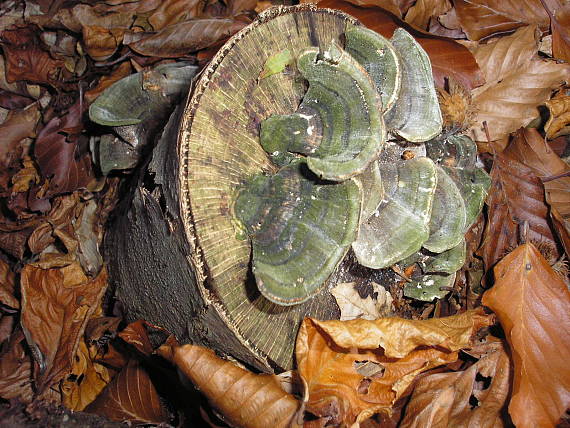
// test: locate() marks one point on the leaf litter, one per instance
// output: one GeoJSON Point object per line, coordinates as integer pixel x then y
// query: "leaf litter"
{"type": "Point", "coordinates": [422, 371]}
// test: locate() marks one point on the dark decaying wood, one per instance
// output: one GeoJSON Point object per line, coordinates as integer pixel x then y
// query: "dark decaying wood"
{"type": "Point", "coordinates": [174, 254]}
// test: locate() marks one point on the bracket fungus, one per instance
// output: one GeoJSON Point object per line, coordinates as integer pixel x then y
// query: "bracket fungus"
{"type": "Point", "coordinates": [287, 140]}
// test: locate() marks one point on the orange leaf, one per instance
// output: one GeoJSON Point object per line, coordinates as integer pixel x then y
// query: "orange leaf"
{"type": "Point", "coordinates": [422, 11]}
{"type": "Point", "coordinates": [7, 286]}
{"type": "Point", "coordinates": [559, 121]}
{"type": "Point", "coordinates": [87, 379]}
{"type": "Point", "coordinates": [56, 305]}
{"type": "Point", "coordinates": [443, 400]}
{"type": "Point", "coordinates": [356, 368]}
{"type": "Point", "coordinates": [533, 305]}
{"type": "Point", "coordinates": [130, 396]}
{"type": "Point", "coordinates": [243, 398]}
{"type": "Point", "coordinates": [560, 26]}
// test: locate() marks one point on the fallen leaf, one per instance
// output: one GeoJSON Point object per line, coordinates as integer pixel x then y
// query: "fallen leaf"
{"type": "Point", "coordinates": [26, 176]}
{"type": "Point", "coordinates": [330, 355]}
{"type": "Point", "coordinates": [59, 154]}
{"type": "Point", "coordinates": [422, 11]}
{"type": "Point", "coordinates": [56, 304]}
{"type": "Point", "coordinates": [559, 121]}
{"type": "Point", "coordinates": [89, 234]}
{"type": "Point", "coordinates": [135, 334]}
{"type": "Point", "coordinates": [7, 286]}
{"type": "Point", "coordinates": [242, 397]}
{"type": "Point", "coordinates": [185, 37]}
{"type": "Point", "coordinates": [353, 306]}
{"type": "Point", "coordinates": [130, 396]}
{"type": "Point", "coordinates": [448, 58]}
{"type": "Point", "coordinates": [560, 26]}
{"type": "Point", "coordinates": [530, 148]}
{"type": "Point", "coordinates": [25, 58]}
{"type": "Point", "coordinates": [101, 43]}
{"type": "Point", "coordinates": [483, 18]}
{"type": "Point", "coordinates": [123, 70]}
{"type": "Point", "coordinates": [81, 15]}
{"type": "Point", "coordinates": [532, 304]}
{"type": "Point", "coordinates": [87, 378]}
{"type": "Point", "coordinates": [389, 5]}
{"type": "Point", "coordinates": [446, 399]}
{"type": "Point", "coordinates": [174, 11]}
{"type": "Point", "coordinates": [19, 124]}
{"type": "Point", "coordinates": [516, 196]}
{"type": "Point", "coordinates": [15, 370]}
{"type": "Point", "coordinates": [517, 83]}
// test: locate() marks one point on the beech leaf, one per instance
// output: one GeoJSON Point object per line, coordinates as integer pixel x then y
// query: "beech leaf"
{"type": "Point", "coordinates": [180, 39]}
{"type": "Point", "coordinates": [560, 26]}
{"type": "Point", "coordinates": [445, 399]}
{"type": "Point", "coordinates": [7, 286]}
{"type": "Point", "coordinates": [516, 196]}
{"type": "Point", "coordinates": [532, 304]}
{"type": "Point", "coordinates": [59, 155]}
{"type": "Point", "coordinates": [15, 369]}
{"type": "Point", "coordinates": [130, 396]}
{"type": "Point", "coordinates": [482, 18]}
{"type": "Point", "coordinates": [56, 305]}
{"type": "Point", "coordinates": [330, 355]}
{"type": "Point", "coordinates": [422, 11]}
{"type": "Point", "coordinates": [19, 124]}
{"type": "Point", "coordinates": [559, 121]}
{"type": "Point", "coordinates": [517, 83]}
{"type": "Point", "coordinates": [529, 147]}
{"type": "Point", "coordinates": [243, 398]}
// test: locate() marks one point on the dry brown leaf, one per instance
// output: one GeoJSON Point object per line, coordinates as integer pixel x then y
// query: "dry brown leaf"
{"type": "Point", "coordinates": [7, 286]}
{"type": "Point", "coordinates": [130, 396]}
{"type": "Point", "coordinates": [482, 18]}
{"type": "Point", "coordinates": [389, 5]}
{"type": "Point", "coordinates": [560, 26]}
{"type": "Point", "coordinates": [533, 306]}
{"type": "Point", "coordinates": [25, 177]}
{"type": "Point", "coordinates": [559, 121]}
{"type": "Point", "coordinates": [516, 196]}
{"type": "Point", "coordinates": [18, 125]}
{"type": "Point", "coordinates": [529, 147]}
{"type": "Point", "coordinates": [356, 368]}
{"type": "Point", "coordinates": [517, 83]}
{"type": "Point", "coordinates": [422, 11]}
{"type": "Point", "coordinates": [123, 70]}
{"type": "Point", "coordinates": [353, 306]}
{"type": "Point", "coordinates": [15, 370]}
{"type": "Point", "coordinates": [174, 11]}
{"type": "Point", "coordinates": [56, 304]}
{"type": "Point", "coordinates": [243, 398]}
{"type": "Point", "coordinates": [101, 43]}
{"type": "Point", "coordinates": [445, 399]}
{"type": "Point", "coordinates": [100, 15]}
{"type": "Point", "coordinates": [185, 37]}
{"type": "Point", "coordinates": [87, 378]}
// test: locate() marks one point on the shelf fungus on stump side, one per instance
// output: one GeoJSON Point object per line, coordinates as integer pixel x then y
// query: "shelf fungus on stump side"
{"type": "Point", "coordinates": [339, 125]}
{"type": "Point", "coordinates": [300, 230]}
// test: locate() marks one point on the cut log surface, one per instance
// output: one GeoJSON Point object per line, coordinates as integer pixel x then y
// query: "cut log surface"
{"type": "Point", "coordinates": [175, 256]}
{"type": "Point", "coordinates": [219, 150]}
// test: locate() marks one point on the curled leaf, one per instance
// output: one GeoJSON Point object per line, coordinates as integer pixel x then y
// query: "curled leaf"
{"type": "Point", "coordinates": [330, 355]}
{"type": "Point", "coordinates": [244, 398]}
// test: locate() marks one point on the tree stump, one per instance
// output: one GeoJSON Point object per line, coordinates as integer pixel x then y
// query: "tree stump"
{"type": "Point", "coordinates": [175, 256]}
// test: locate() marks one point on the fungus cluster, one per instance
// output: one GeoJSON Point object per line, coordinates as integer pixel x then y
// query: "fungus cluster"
{"type": "Point", "coordinates": [343, 181]}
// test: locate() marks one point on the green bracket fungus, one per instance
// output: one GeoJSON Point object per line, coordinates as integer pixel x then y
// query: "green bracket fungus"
{"type": "Point", "coordinates": [401, 226]}
{"type": "Point", "coordinates": [449, 261]}
{"type": "Point", "coordinates": [447, 223]}
{"type": "Point", "coordinates": [339, 125]}
{"type": "Point", "coordinates": [300, 230]}
{"type": "Point", "coordinates": [457, 151]}
{"type": "Point", "coordinates": [379, 58]}
{"type": "Point", "coordinates": [416, 115]}
{"type": "Point", "coordinates": [429, 287]}
{"type": "Point", "coordinates": [372, 190]}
